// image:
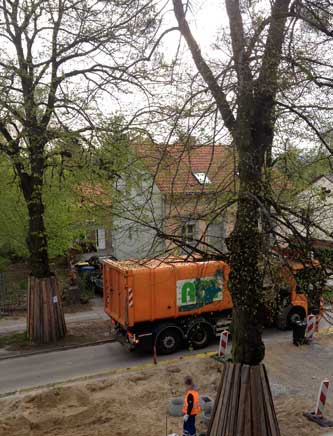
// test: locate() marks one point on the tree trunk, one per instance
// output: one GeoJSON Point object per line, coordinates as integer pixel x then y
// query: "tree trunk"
{"type": "Point", "coordinates": [246, 286]}
{"type": "Point", "coordinates": [246, 277]}
{"type": "Point", "coordinates": [36, 239]}
{"type": "Point", "coordinates": [45, 318]}
{"type": "Point", "coordinates": [266, 222]}
{"type": "Point", "coordinates": [243, 404]}
{"type": "Point", "coordinates": [46, 321]}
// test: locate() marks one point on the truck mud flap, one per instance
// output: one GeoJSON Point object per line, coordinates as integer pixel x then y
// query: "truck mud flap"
{"type": "Point", "coordinates": [145, 341]}
{"type": "Point", "coordinates": [121, 338]}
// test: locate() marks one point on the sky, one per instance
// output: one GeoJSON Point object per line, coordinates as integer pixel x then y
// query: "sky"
{"type": "Point", "coordinates": [206, 18]}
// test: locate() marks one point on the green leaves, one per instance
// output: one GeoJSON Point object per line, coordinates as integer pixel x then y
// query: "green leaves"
{"type": "Point", "coordinates": [13, 215]}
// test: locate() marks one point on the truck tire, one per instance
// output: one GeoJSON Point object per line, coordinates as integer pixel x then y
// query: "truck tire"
{"type": "Point", "coordinates": [296, 314]}
{"type": "Point", "coordinates": [176, 407]}
{"type": "Point", "coordinates": [206, 403]}
{"type": "Point", "coordinates": [168, 340]}
{"type": "Point", "coordinates": [207, 416]}
{"type": "Point", "coordinates": [199, 336]}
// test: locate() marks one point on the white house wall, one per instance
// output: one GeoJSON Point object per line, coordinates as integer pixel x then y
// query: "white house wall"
{"type": "Point", "coordinates": [322, 214]}
{"type": "Point", "coordinates": [130, 238]}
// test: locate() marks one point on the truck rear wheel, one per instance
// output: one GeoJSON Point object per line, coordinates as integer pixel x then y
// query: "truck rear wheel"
{"type": "Point", "coordinates": [168, 341]}
{"type": "Point", "coordinates": [199, 336]}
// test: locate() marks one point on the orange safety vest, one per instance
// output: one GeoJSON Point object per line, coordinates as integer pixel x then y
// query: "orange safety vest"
{"type": "Point", "coordinates": [196, 408]}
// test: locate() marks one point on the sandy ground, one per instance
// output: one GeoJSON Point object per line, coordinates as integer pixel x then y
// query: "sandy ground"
{"type": "Point", "coordinates": [77, 333]}
{"type": "Point", "coordinates": [136, 403]}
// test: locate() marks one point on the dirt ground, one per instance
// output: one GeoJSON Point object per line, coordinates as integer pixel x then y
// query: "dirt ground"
{"type": "Point", "coordinates": [77, 333]}
{"type": "Point", "coordinates": [136, 403]}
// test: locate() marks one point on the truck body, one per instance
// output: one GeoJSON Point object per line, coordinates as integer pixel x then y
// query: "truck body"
{"type": "Point", "coordinates": [166, 303]}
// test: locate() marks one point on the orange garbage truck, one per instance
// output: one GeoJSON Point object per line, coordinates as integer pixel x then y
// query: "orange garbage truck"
{"type": "Point", "coordinates": [166, 303]}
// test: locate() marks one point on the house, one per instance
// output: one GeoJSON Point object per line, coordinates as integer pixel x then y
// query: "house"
{"type": "Point", "coordinates": [316, 206]}
{"type": "Point", "coordinates": [95, 237]}
{"type": "Point", "coordinates": [310, 224]}
{"type": "Point", "coordinates": [179, 191]}
{"type": "Point", "coordinates": [172, 198]}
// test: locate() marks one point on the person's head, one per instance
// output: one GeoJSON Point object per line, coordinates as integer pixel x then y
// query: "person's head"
{"type": "Point", "coordinates": [188, 381]}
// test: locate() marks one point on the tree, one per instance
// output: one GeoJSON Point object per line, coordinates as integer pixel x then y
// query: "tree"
{"type": "Point", "coordinates": [57, 57]}
{"type": "Point", "coordinates": [258, 46]}
{"type": "Point", "coordinates": [252, 132]}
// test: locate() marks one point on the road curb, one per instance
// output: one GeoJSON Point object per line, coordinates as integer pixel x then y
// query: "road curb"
{"type": "Point", "coordinates": [105, 341]}
{"type": "Point", "coordinates": [109, 373]}
{"type": "Point", "coordinates": [56, 349]}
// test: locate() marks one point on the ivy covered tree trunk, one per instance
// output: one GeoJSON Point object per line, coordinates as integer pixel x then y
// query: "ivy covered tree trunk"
{"type": "Point", "coordinates": [36, 239]}
{"type": "Point", "coordinates": [45, 318]}
{"type": "Point", "coordinates": [246, 281]}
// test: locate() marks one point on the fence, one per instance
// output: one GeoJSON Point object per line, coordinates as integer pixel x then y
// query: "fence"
{"type": "Point", "coordinates": [11, 298]}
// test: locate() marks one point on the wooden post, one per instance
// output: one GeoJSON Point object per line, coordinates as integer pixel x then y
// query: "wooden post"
{"type": "Point", "coordinates": [45, 321]}
{"type": "Point", "coordinates": [244, 404]}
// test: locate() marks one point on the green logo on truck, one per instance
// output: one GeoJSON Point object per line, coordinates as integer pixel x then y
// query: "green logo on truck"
{"type": "Point", "coordinates": [188, 293]}
{"type": "Point", "coordinates": [198, 292]}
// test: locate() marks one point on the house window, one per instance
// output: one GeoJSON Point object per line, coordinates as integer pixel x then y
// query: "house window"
{"type": "Point", "coordinates": [100, 239]}
{"type": "Point", "coordinates": [324, 192]}
{"type": "Point", "coordinates": [188, 232]}
{"type": "Point", "coordinates": [202, 178]}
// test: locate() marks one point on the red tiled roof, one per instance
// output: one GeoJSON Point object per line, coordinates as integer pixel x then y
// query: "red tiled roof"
{"type": "Point", "coordinates": [93, 194]}
{"type": "Point", "coordinates": [173, 167]}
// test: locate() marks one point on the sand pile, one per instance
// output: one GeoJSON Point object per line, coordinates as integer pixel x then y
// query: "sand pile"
{"type": "Point", "coordinates": [42, 410]}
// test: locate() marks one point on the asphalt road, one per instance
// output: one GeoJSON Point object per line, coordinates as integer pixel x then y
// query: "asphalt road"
{"type": "Point", "coordinates": [38, 370]}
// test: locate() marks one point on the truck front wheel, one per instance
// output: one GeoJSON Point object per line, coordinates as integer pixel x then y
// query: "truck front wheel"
{"type": "Point", "coordinates": [296, 314]}
{"type": "Point", "coordinates": [168, 341]}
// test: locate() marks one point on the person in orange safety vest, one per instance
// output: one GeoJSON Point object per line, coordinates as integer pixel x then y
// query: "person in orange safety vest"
{"type": "Point", "coordinates": [191, 407]}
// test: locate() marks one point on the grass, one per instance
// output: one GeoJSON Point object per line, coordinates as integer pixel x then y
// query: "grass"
{"type": "Point", "coordinates": [328, 295]}
{"type": "Point", "coordinates": [19, 339]}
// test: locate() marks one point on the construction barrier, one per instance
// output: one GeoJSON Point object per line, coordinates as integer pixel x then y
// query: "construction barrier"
{"type": "Point", "coordinates": [318, 415]}
{"type": "Point", "coordinates": [322, 395]}
{"type": "Point", "coordinates": [223, 343]}
{"type": "Point", "coordinates": [311, 326]}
